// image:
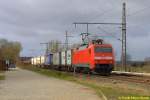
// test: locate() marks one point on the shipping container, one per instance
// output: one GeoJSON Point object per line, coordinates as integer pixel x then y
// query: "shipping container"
{"type": "Point", "coordinates": [63, 58]}
{"type": "Point", "coordinates": [33, 61]}
{"type": "Point", "coordinates": [42, 60]}
{"type": "Point", "coordinates": [69, 57]}
{"type": "Point", "coordinates": [38, 60]}
{"type": "Point", "coordinates": [48, 59]}
{"type": "Point", "coordinates": [56, 59]}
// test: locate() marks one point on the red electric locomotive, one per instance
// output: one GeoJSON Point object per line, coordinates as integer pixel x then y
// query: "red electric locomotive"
{"type": "Point", "coordinates": [96, 56]}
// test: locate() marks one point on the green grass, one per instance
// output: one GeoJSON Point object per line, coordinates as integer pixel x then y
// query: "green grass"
{"type": "Point", "coordinates": [111, 93]}
{"type": "Point", "coordinates": [2, 77]}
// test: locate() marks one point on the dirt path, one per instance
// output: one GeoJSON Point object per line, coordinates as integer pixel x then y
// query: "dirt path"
{"type": "Point", "coordinates": [26, 85]}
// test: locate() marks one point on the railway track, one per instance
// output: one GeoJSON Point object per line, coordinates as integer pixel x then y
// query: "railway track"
{"type": "Point", "coordinates": [119, 77]}
{"type": "Point", "coordinates": [125, 78]}
{"type": "Point", "coordinates": [131, 78]}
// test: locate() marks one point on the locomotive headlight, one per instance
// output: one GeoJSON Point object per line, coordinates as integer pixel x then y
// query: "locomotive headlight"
{"type": "Point", "coordinates": [110, 61]}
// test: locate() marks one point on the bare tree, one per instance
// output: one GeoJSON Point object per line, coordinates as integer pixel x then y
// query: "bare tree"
{"type": "Point", "coordinates": [9, 50]}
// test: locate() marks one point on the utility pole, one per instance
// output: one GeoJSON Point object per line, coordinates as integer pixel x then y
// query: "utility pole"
{"type": "Point", "coordinates": [47, 48]}
{"type": "Point", "coordinates": [87, 27]}
{"type": "Point", "coordinates": [124, 37]}
{"type": "Point", "coordinates": [66, 41]}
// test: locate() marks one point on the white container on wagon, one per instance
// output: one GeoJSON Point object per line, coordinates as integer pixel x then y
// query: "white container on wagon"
{"type": "Point", "coordinates": [42, 60]}
{"type": "Point", "coordinates": [56, 59]}
{"type": "Point", "coordinates": [69, 57]}
{"type": "Point", "coordinates": [32, 61]}
{"type": "Point", "coordinates": [35, 62]}
{"type": "Point", "coordinates": [63, 58]}
{"type": "Point", "coordinates": [38, 60]}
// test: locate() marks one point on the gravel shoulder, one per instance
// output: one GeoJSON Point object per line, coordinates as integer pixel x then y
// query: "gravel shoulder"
{"type": "Point", "coordinates": [26, 85]}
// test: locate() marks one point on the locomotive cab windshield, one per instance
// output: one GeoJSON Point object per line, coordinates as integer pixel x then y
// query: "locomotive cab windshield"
{"type": "Point", "coordinates": [103, 50]}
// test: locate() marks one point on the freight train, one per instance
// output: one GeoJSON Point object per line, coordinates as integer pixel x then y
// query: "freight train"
{"type": "Point", "coordinates": [94, 57]}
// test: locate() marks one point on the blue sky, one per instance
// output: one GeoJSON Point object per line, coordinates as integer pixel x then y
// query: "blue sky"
{"type": "Point", "coordinates": [34, 21]}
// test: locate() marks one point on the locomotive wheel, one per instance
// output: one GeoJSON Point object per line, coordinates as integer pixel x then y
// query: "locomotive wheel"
{"type": "Point", "coordinates": [59, 68]}
{"type": "Point", "coordinates": [78, 69]}
{"type": "Point", "coordinates": [86, 70]}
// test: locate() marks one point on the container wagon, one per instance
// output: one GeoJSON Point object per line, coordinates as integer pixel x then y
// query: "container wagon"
{"type": "Point", "coordinates": [48, 60]}
{"type": "Point", "coordinates": [57, 60]}
{"type": "Point", "coordinates": [69, 55]}
{"type": "Point", "coordinates": [38, 61]}
{"type": "Point", "coordinates": [33, 61]}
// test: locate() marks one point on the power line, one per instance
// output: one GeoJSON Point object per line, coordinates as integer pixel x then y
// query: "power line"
{"type": "Point", "coordinates": [85, 35]}
{"type": "Point", "coordinates": [66, 41]}
{"type": "Point", "coordinates": [104, 23]}
{"type": "Point", "coordinates": [138, 11]}
{"type": "Point", "coordinates": [109, 33]}
{"type": "Point", "coordinates": [47, 47]}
